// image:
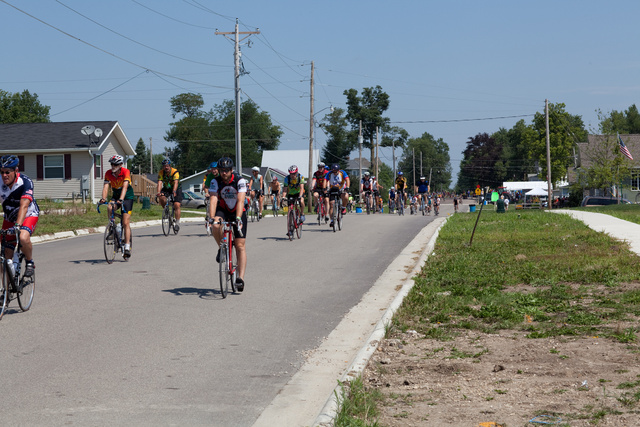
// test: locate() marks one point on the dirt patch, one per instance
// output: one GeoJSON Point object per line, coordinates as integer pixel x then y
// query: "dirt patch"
{"type": "Point", "coordinates": [506, 379]}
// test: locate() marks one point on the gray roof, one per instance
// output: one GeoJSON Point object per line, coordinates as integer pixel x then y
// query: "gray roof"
{"type": "Point", "coordinates": [50, 136]}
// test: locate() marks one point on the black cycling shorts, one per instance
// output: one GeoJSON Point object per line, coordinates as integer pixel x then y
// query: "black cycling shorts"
{"type": "Point", "coordinates": [230, 217]}
{"type": "Point", "coordinates": [127, 206]}
{"type": "Point", "coordinates": [167, 193]}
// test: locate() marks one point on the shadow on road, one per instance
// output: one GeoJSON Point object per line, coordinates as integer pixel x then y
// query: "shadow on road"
{"type": "Point", "coordinates": [200, 293]}
{"type": "Point", "coordinates": [94, 261]}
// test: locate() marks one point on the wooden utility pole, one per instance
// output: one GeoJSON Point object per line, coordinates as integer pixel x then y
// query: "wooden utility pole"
{"type": "Point", "coordinates": [549, 192]}
{"type": "Point", "coordinates": [413, 153]}
{"type": "Point", "coordinates": [311, 124]}
{"type": "Point", "coordinates": [377, 158]}
{"type": "Point", "coordinates": [237, 73]}
{"type": "Point", "coordinates": [360, 154]}
{"type": "Point", "coordinates": [151, 154]}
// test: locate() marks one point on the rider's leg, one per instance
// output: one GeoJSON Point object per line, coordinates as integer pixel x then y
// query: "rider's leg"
{"type": "Point", "coordinates": [241, 253]}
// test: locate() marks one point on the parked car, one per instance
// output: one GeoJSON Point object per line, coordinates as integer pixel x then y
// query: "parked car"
{"type": "Point", "coordinates": [192, 200]}
{"type": "Point", "coordinates": [602, 201]}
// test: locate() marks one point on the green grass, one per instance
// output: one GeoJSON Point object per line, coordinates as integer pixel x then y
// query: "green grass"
{"type": "Point", "coordinates": [627, 212]}
{"type": "Point", "coordinates": [357, 407]}
{"type": "Point", "coordinates": [546, 275]}
{"type": "Point", "coordinates": [77, 216]}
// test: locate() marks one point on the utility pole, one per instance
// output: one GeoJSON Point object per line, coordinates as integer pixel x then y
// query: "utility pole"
{"type": "Point", "coordinates": [151, 154]}
{"type": "Point", "coordinates": [421, 164]}
{"type": "Point", "coordinates": [360, 155]}
{"type": "Point", "coordinates": [549, 192]}
{"type": "Point", "coordinates": [413, 153]}
{"type": "Point", "coordinates": [377, 145]}
{"type": "Point", "coordinates": [393, 155]}
{"type": "Point", "coordinates": [237, 73]}
{"type": "Point", "coordinates": [309, 195]}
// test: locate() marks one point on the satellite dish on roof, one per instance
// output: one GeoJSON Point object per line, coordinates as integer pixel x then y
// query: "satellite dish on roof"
{"type": "Point", "coordinates": [88, 130]}
{"type": "Point", "coordinates": [98, 132]}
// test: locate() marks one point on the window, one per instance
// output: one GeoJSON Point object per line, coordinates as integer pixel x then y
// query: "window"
{"type": "Point", "coordinates": [635, 179]}
{"type": "Point", "coordinates": [54, 167]}
{"type": "Point", "coordinates": [196, 188]}
{"type": "Point", "coordinates": [97, 164]}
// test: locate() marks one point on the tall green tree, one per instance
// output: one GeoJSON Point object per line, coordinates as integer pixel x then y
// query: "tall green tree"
{"type": "Point", "coordinates": [338, 146]}
{"type": "Point", "coordinates": [22, 108]}
{"type": "Point", "coordinates": [436, 162]}
{"type": "Point", "coordinates": [140, 162]}
{"type": "Point", "coordinates": [565, 130]}
{"type": "Point", "coordinates": [369, 108]}
{"type": "Point", "coordinates": [481, 163]}
{"type": "Point", "coordinates": [516, 157]}
{"type": "Point", "coordinates": [627, 121]}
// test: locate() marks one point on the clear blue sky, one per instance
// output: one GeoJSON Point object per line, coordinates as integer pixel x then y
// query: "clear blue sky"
{"type": "Point", "coordinates": [442, 61]}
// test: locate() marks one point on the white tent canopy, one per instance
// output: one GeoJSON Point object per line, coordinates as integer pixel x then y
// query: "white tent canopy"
{"type": "Point", "coordinates": [537, 192]}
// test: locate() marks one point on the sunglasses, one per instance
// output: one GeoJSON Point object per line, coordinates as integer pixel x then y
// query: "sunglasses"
{"type": "Point", "coordinates": [225, 170]}
{"type": "Point", "coordinates": [6, 172]}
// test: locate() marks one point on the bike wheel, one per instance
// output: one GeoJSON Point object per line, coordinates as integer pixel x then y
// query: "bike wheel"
{"type": "Point", "coordinates": [252, 212]}
{"type": "Point", "coordinates": [166, 221]}
{"type": "Point", "coordinates": [27, 287]}
{"type": "Point", "coordinates": [110, 243]}
{"type": "Point", "coordinates": [4, 290]}
{"type": "Point", "coordinates": [298, 226]}
{"type": "Point", "coordinates": [339, 219]}
{"type": "Point", "coordinates": [233, 267]}
{"type": "Point", "coordinates": [223, 269]}
{"type": "Point", "coordinates": [290, 224]}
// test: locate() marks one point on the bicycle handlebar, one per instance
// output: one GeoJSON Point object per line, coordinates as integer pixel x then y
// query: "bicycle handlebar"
{"type": "Point", "coordinates": [107, 203]}
{"type": "Point", "coordinates": [231, 223]}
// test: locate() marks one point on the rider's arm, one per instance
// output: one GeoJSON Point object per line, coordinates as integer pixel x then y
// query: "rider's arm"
{"type": "Point", "coordinates": [175, 187]}
{"type": "Point", "coordinates": [22, 212]}
{"type": "Point", "coordinates": [125, 185]}
{"type": "Point", "coordinates": [240, 207]}
{"type": "Point", "coordinates": [105, 191]}
{"type": "Point", "coordinates": [159, 185]}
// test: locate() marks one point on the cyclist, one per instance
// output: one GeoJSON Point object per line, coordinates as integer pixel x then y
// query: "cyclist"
{"type": "Point", "coordinates": [376, 186]}
{"type": "Point", "coordinates": [317, 188]}
{"type": "Point", "coordinates": [20, 209]}
{"type": "Point", "coordinates": [119, 179]}
{"type": "Point", "coordinates": [337, 181]}
{"type": "Point", "coordinates": [213, 173]}
{"type": "Point", "coordinates": [401, 185]}
{"type": "Point", "coordinates": [414, 203]}
{"type": "Point", "coordinates": [429, 204]}
{"type": "Point", "coordinates": [168, 184]}
{"type": "Point", "coordinates": [294, 188]}
{"type": "Point", "coordinates": [256, 185]}
{"type": "Point", "coordinates": [455, 203]}
{"type": "Point", "coordinates": [392, 199]}
{"type": "Point", "coordinates": [422, 190]}
{"type": "Point", "coordinates": [366, 189]}
{"type": "Point", "coordinates": [436, 204]}
{"type": "Point", "coordinates": [275, 190]}
{"type": "Point", "coordinates": [228, 193]}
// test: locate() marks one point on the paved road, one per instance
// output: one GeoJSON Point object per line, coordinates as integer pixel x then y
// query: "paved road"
{"type": "Point", "coordinates": [150, 342]}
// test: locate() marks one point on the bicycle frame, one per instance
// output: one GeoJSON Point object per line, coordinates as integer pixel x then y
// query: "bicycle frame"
{"type": "Point", "coordinates": [227, 247]}
{"type": "Point", "coordinates": [15, 284]}
{"type": "Point", "coordinates": [293, 217]}
{"type": "Point", "coordinates": [118, 239]}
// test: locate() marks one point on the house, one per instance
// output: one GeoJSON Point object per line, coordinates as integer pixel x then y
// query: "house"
{"type": "Point", "coordinates": [194, 182]}
{"type": "Point", "coordinates": [589, 151]}
{"type": "Point", "coordinates": [281, 160]}
{"type": "Point", "coordinates": [65, 159]}
{"type": "Point", "coordinates": [353, 167]}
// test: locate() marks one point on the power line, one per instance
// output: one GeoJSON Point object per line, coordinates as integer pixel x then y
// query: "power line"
{"type": "Point", "coordinates": [464, 120]}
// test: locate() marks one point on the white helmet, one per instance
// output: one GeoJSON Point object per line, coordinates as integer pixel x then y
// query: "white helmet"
{"type": "Point", "coordinates": [255, 169]}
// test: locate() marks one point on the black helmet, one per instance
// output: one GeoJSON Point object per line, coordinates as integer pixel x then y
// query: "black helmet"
{"type": "Point", "coordinates": [225, 162]}
{"type": "Point", "coordinates": [335, 167]}
{"type": "Point", "coordinates": [9, 161]}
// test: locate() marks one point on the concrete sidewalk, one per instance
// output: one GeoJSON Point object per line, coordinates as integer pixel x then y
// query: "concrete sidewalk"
{"type": "Point", "coordinates": [617, 228]}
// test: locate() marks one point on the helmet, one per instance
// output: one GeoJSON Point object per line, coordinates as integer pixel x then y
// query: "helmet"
{"type": "Point", "coordinates": [9, 161]}
{"type": "Point", "coordinates": [335, 167]}
{"type": "Point", "coordinates": [166, 162]}
{"type": "Point", "coordinates": [373, 177]}
{"type": "Point", "coordinates": [213, 165]}
{"type": "Point", "coordinates": [367, 173]}
{"type": "Point", "coordinates": [321, 165]}
{"type": "Point", "coordinates": [293, 169]}
{"type": "Point", "coordinates": [422, 178]}
{"type": "Point", "coordinates": [255, 168]}
{"type": "Point", "coordinates": [225, 162]}
{"type": "Point", "coordinates": [275, 178]}
{"type": "Point", "coordinates": [116, 160]}
{"type": "Point", "coordinates": [400, 173]}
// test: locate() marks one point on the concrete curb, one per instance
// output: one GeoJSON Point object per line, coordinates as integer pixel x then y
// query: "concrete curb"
{"type": "Point", "coordinates": [358, 364]}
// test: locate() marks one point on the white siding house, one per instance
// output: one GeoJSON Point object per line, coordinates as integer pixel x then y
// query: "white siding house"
{"type": "Point", "coordinates": [62, 162]}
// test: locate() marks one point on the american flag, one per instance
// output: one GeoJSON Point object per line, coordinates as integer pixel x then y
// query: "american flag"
{"type": "Point", "coordinates": [623, 149]}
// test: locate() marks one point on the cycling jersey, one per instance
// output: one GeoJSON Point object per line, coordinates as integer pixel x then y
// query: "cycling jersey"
{"type": "Point", "coordinates": [401, 182]}
{"type": "Point", "coordinates": [423, 187]}
{"type": "Point", "coordinates": [167, 179]}
{"type": "Point", "coordinates": [10, 197]}
{"type": "Point", "coordinates": [392, 194]}
{"type": "Point", "coordinates": [337, 180]}
{"type": "Point", "coordinates": [293, 183]}
{"type": "Point", "coordinates": [227, 193]}
{"type": "Point", "coordinates": [117, 182]}
{"type": "Point", "coordinates": [208, 179]}
{"type": "Point", "coordinates": [255, 183]}
{"type": "Point", "coordinates": [367, 184]}
{"type": "Point", "coordinates": [320, 177]}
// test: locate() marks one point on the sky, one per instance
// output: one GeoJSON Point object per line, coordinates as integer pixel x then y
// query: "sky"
{"type": "Point", "coordinates": [453, 68]}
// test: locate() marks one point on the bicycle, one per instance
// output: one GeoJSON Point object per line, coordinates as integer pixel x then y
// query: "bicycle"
{"type": "Point", "coordinates": [400, 204]}
{"type": "Point", "coordinates": [367, 201]}
{"type": "Point", "coordinates": [293, 218]}
{"type": "Point", "coordinates": [228, 264]}
{"type": "Point", "coordinates": [322, 210]}
{"type": "Point", "coordinates": [207, 223]}
{"type": "Point", "coordinates": [436, 209]}
{"type": "Point", "coordinates": [422, 206]}
{"type": "Point", "coordinates": [274, 205]}
{"type": "Point", "coordinates": [113, 235]}
{"type": "Point", "coordinates": [14, 285]}
{"type": "Point", "coordinates": [255, 208]}
{"type": "Point", "coordinates": [392, 205]}
{"type": "Point", "coordinates": [169, 217]}
{"type": "Point", "coordinates": [336, 217]}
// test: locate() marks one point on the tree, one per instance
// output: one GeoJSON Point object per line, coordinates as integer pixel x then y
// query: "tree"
{"type": "Point", "coordinates": [367, 108]}
{"type": "Point", "coordinates": [202, 137]}
{"type": "Point", "coordinates": [435, 159]}
{"type": "Point", "coordinates": [338, 146]}
{"type": "Point", "coordinates": [515, 152]}
{"type": "Point", "coordinates": [22, 108]}
{"type": "Point", "coordinates": [565, 130]}
{"type": "Point", "coordinates": [140, 162]}
{"type": "Point", "coordinates": [621, 122]}
{"type": "Point", "coordinates": [481, 164]}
